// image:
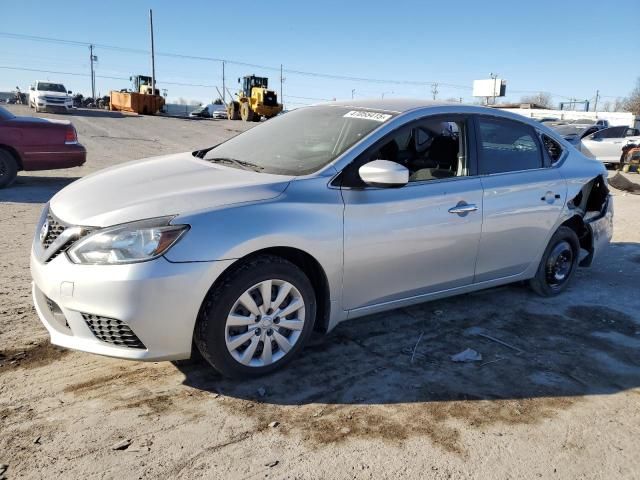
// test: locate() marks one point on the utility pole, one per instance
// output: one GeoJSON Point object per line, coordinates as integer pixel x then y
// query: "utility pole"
{"type": "Point", "coordinates": [224, 98]}
{"type": "Point", "coordinates": [281, 82]}
{"type": "Point", "coordinates": [595, 105]}
{"type": "Point", "coordinates": [494, 76]}
{"type": "Point", "coordinates": [153, 60]}
{"type": "Point", "coordinates": [93, 77]}
{"type": "Point", "coordinates": [353, 93]}
{"type": "Point", "coordinates": [434, 90]}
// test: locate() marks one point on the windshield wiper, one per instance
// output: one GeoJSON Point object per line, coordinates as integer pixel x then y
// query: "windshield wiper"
{"type": "Point", "coordinates": [232, 161]}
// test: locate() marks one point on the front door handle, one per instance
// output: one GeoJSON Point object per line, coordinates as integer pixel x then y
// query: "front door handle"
{"type": "Point", "coordinates": [463, 208]}
{"type": "Point", "coordinates": [551, 197]}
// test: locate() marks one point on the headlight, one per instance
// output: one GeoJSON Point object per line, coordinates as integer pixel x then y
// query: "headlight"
{"type": "Point", "coordinates": [128, 243]}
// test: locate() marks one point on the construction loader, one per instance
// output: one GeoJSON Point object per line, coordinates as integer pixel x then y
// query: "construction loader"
{"type": "Point", "coordinates": [255, 100]}
{"type": "Point", "coordinates": [141, 99]}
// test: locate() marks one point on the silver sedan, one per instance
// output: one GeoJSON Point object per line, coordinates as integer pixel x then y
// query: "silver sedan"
{"type": "Point", "coordinates": [325, 214]}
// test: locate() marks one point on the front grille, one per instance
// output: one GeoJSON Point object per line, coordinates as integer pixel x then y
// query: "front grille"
{"type": "Point", "coordinates": [55, 229]}
{"type": "Point", "coordinates": [270, 99]}
{"type": "Point", "coordinates": [54, 100]}
{"type": "Point", "coordinates": [111, 330]}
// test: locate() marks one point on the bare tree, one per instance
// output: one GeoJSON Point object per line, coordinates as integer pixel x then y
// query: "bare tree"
{"type": "Point", "coordinates": [619, 105]}
{"type": "Point", "coordinates": [542, 98]}
{"type": "Point", "coordinates": [606, 106]}
{"type": "Point", "coordinates": [632, 103]}
{"type": "Point", "coordinates": [182, 101]}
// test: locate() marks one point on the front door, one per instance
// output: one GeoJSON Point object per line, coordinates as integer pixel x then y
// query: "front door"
{"type": "Point", "coordinates": [420, 238]}
{"type": "Point", "coordinates": [605, 145]}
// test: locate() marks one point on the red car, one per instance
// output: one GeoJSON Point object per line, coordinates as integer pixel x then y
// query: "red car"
{"type": "Point", "coordinates": [31, 143]}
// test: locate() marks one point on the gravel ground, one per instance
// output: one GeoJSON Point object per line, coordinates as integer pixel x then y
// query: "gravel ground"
{"type": "Point", "coordinates": [566, 404]}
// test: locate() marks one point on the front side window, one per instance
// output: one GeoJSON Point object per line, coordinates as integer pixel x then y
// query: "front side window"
{"type": "Point", "coordinates": [302, 141]}
{"type": "Point", "coordinates": [506, 146]}
{"type": "Point", "coordinates": [431, 149]}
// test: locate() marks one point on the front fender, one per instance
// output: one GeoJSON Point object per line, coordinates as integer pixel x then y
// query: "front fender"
{"type": "Point", "coordinates": [308, 216]}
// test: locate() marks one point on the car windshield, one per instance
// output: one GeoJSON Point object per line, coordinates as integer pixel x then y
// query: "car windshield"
{"type": "Point", "coordinates": [301, 141]}
{"type": "Point", "coordinates": [51, 87]}
{"type": "Point", "coordinates": [570, 129]}
{"type": "Point", "coordinates": [5, 114]}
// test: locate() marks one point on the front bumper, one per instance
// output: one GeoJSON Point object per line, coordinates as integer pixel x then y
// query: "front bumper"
{"type": "Point", "coordinates": [158, 300]}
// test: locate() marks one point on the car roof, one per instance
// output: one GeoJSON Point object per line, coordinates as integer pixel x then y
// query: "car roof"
{"type": "Point", "coordinates": [405, 105]}
{"type": "Point", "coordinates": [396, 105]}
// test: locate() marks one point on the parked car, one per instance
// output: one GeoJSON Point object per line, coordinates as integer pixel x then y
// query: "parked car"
{"type": "Point", "coordinates": [48, 96]}
{"type": "Point", "coordinates": [606, 145]}
{"type": "Point", "coordinates": [30, 143]}
{"type": "Point", "coordinates": [321, 215]}
{"type": "Point", "coordinates": [208, 111]}
{"type": "Point", "coordinates": [574, 133]}
{"type": "Point", "coordinates": [219, 113]}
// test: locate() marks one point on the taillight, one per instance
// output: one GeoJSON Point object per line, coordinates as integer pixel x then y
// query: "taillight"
{"type": "Point", "coordinates": [70, 136]}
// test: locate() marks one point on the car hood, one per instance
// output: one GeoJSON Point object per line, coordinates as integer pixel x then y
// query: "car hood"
{"type": "Point", "coordinates": [53, 94]}
{"type": "Point", "coordinates": [160, 186]}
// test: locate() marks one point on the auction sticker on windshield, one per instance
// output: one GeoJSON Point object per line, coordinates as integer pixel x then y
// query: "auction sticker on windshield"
{"type": "Point", "coordinates": [376, 116]}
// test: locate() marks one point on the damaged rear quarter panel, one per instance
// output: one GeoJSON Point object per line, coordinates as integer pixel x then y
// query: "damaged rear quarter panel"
{"type": "Point", "coordinates": [582, 175]}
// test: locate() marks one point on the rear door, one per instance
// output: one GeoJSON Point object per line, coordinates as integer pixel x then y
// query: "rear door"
{"type": "Point", "coordinates": [605, 145]}
{"type": "Point", "coordinates": [523, 197]}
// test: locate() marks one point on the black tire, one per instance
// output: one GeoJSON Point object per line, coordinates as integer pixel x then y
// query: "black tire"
{"type": "Point", "coordinates": [558, 264]}
{"type": "Point", "coordinates": [8, 169]}
{"type": "Point", "coordinates": [209, 334]}
{"type": "Point", "coordinates": [245, 112]}
{"type": "Point", "coordinates": [256, 117]}
{"type": "Point", "coordinates": [233, 111]}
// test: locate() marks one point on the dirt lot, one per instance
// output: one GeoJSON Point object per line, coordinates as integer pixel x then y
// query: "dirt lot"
{"type": "Point", "coordinates": [564, 402]}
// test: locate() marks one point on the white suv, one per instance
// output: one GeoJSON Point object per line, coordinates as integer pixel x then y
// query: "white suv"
{"type": "Point", "coordinates": [49, 96]}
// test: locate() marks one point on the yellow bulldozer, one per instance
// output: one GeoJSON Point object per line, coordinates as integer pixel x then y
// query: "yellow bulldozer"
{"type": "Point", "coordinates": [255, 100]}
{"type": "Point", "coordinates": [141, 99]}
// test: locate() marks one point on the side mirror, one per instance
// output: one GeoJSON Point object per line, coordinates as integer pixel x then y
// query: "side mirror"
{"type": "Point", "coordinates": [69, 92]}
{"type": "Point", "coordinates": [384, 173]}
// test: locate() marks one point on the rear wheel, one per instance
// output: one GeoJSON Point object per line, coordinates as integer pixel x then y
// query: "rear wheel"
{"type": "Point", "coordinates": [558, 263]}
{"type": "Point", "coordinates": [257, 319]}
{"type": "Point", "coordinates": [245, 112]}
{"type": "Point", "coordinates": [8, 169]}
{"type": "Point", "coordinates": [233, 111]}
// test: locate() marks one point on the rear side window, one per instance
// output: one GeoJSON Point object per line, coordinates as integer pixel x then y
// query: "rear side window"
{"type": "Point", "coordinates": [632, 132]}
{"type": "Point", "coordinates": [613, 132]}
{"type": "Point", "coordinates": [507, 146]}
{"type": "Point", "coordinates": [553, 148]}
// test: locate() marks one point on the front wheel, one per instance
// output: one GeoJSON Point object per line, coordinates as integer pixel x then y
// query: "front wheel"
{"type": "Point", "coordinates": [558, 264]}
{"type": "Point", "coordinates": [8, 169]}
{"type": "Point", "coordinates": [257, 319]}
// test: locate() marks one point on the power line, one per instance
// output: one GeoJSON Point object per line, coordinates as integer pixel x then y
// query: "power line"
{"type": "Point", "coordinates": [233, 62]}
{"type": "Point", "coordinates": [76, 74]}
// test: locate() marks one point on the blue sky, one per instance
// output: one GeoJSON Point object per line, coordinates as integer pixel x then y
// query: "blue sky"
{"type": "Point", "coordinates": [568, 48]}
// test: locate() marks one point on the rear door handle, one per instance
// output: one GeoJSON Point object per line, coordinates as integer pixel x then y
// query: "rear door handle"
{"type": "Point", "coordinates": [463, 208]}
